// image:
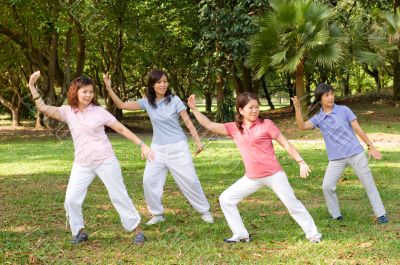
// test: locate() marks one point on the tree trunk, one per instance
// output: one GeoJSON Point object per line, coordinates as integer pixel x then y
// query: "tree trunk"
{"type": "Point", "coordinates": [396, 76]}
{"type": "Point", "coordinates": [237, 81]}
{"type": "Point", "coordinates": [247, 83]}
{"type": "Point", "coordinates": [266, 92]}
{"type": "Point", "coordinates": [345, 84]}
{"type": "Point", "coordinates": [15, 117]}
{"type": "Point", "coordinates": [208, 97]}
{"type": "Point", "coordinates": [300, 82]}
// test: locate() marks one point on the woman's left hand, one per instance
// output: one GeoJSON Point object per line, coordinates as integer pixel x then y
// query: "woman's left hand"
{"type": "Point", "coordinates": [304, 169]}
{"type": "Point", "coordinates": [147, 153]}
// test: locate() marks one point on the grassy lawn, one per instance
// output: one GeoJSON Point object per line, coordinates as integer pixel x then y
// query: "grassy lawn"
{"type": "Point", "coordinates": [34, 172]}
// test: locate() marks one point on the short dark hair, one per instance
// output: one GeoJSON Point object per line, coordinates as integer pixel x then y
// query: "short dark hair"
{"type": "Point", "coordinates": [320, 90]}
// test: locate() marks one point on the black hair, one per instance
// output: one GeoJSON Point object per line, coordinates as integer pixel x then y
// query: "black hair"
{"type": "Point", "coordinates": [320, 90]}
{"type": "Point", "coordinates": [153, 78]}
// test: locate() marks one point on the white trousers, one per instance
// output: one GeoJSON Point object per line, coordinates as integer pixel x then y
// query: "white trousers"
{"type": "Point", "coordinates": [177, 159]}
{"type": "Point", "coordinates": [279, 184]}
{"type": "Point", "coordinates": [110, 174]}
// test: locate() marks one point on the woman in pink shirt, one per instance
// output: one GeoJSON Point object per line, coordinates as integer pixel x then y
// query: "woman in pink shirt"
{"type": "Point", "coordinates": [253, 136]}
{"type": "Point", "coordinates": [93, 155]}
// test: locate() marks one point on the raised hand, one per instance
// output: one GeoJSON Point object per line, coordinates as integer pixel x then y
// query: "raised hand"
{"type": "Point", "coordinates": [107, 80]}
{"type": "Point", "coordinates": [192, 102]}
{"type": "Point", "coordinates": [34, 77]}
{"type": "Point", "coordinates": [296, 102]}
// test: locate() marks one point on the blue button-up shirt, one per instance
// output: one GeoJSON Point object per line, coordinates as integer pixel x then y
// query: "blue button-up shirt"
{"type": "Point", "coordinates": [165, 120]}
{"type": "Point", "coordinates": [340, 139]}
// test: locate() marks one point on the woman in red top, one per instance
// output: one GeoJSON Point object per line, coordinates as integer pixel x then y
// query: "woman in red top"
{"type": "Point", "coordinates": [253, 136]}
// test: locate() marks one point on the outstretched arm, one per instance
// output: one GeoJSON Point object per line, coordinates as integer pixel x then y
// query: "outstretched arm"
{"type": "Point", "coordinates": [304, 169]}
{"type": "Point", "coordinates": [371, 148]}
{"type": "Point", "coordinates": [131, 105]}
{"type": "Point", "coordinates": [214, 127]}
{"type": "Point", "coordinates": [48, 110]}
{"type": "Point", "coordinates": [186, 119]}
{"type": "Point", "coordinates": [308, 125]}
{"type": "Point", "coordinates": [121, 129]}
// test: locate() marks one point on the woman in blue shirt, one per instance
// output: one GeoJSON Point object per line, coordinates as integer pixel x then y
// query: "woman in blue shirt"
{"type": "Point", "coordinates": [169, 144]}
{"type": "Point", "coordinates": [339, 127]}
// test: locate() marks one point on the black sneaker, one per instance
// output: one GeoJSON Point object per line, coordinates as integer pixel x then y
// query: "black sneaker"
{"type": "Point", "coordinates": [340, 218]}
{"type": "Point", "coordinates": [80, 237]}
{"type": "Point", "coordinates": [139, 239]}
{"type": "Point", "coordinates": [382, 219]}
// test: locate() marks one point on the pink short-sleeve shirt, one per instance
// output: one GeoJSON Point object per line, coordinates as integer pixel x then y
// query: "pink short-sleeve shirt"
{"type": "Point", "coordinates": [87, 130]}
{"type": "Point", "coordinates": [255, 146]}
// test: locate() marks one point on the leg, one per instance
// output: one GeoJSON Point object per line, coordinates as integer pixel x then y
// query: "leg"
{"type": "Point", "coordinates": [231, 197]}
{"type": "Point", "coordinates": [332, 174]}
{"type": "Point", "coordinates": [110, 174]}
{"type": "Point", "coordinates": [359, 163]}
{"type": "Point", "coordinates": [79, 181]}
{"type": "Point", "coordinates": [181, 165]}
{"type": "Point", "coordinates": [154, 178]}
{"type": "Point", "coordinates": [280, 185]}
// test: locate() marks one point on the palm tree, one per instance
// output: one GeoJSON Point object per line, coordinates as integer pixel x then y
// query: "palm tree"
{"type": "Point", "coordinates": [385, 40]}
{"type": "Point", "coordinates": [292, 33]}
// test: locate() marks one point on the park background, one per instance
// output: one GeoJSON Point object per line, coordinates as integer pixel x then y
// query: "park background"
{"type": "Point", "coordinates": [215, 49]}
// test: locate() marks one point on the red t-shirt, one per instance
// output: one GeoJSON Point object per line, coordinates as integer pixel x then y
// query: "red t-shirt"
{"type": "Point", "coordinates": [255, 146]}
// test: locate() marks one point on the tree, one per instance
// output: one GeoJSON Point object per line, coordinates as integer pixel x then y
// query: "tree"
{"type": "Point", "coordinates": [293, 33]}
{"type": "Point", "coordinates": [385, 40]}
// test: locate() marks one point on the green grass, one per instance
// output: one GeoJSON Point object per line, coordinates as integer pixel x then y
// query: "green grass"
{"type": "Point", "coordinates": [34, 175]}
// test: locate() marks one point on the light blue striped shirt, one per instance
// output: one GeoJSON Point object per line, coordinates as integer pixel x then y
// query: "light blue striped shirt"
{"type": "Point", "coordinates": [165, 120]}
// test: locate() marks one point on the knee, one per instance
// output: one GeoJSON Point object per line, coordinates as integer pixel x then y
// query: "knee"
{"type": "Point", "coordinates": [224, 199]}
{"type": "Point", "coordinates": [71, 201]}
{"type": "Point", "coordinates": [328, 186]}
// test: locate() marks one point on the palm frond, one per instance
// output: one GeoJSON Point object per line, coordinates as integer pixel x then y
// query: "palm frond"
{"type": "Point", "coordinates": [370, 58]}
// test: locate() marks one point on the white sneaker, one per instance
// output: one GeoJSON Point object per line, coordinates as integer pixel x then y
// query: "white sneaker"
{"type": "Point", "coordinates": [156, 219]}
{"type": "Point", "coordinates": [207, 217]}
{"type": "Point", "coordinates": [315, 239]}
{"type": "Point", "coordinates": [236, 239]}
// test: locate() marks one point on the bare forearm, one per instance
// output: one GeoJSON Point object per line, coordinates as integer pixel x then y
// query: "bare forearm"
{"type": "Point", "coordinates": [202, 119]}
{"type": "Point", "coordinates": [41, 106]}
{"type": "Point", "coordinates": [129, 135]}
{"type": "Point", "coordinates": [294, 153]}
{"type": "Point", "coordinates": [299, 119]}
{"type": "Point", "coordinates": [118, 102]}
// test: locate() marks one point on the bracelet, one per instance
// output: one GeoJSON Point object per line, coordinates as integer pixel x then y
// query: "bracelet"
{"type": "Point", "coordinates": [140, 143]}
{"type": "Point", "coordinates": [36, 98]}
{"type": "Point", "coordinates": [300, 161]}
{"type": "Point", "coordinates": [369, 145]}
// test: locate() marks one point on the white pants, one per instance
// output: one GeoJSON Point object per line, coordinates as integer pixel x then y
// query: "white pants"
{"type": "Point", "coordinates": [177, 159]}
{"type": "Point", "coordinates": [110, 174]}
{"type": "Point", "coordinates": [334, 171]}
{"type": "Point", "coordinates": [279, 184]}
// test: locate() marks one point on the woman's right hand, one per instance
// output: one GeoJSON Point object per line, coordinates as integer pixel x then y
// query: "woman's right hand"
{"type": "Point", "coordinates": [192, 101]}
{"type": "Point", "coordinates": [34, 77]}
{"type": "Point", "coordinates": [107, 80]}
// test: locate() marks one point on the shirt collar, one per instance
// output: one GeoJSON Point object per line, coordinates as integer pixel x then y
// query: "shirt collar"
{"type": "Point", "coordinates": [323, 114]}
{"type": "Point", "coordinates": [89, 108]}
